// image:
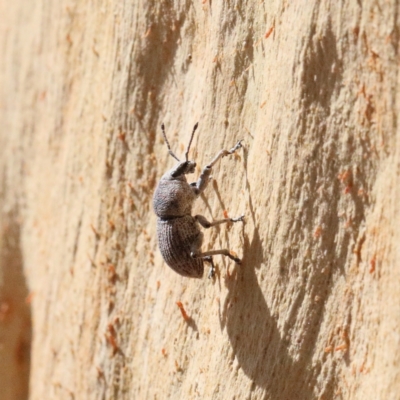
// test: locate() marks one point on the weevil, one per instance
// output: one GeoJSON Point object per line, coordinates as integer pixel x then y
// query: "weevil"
{"type": "Point", "coordinates": [179, 235]}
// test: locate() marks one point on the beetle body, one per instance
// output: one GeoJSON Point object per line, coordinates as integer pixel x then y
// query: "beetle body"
{"type": "Point", "coordinates": [179, 235]}
{"type": "Point", "coordinates": [176, 238]}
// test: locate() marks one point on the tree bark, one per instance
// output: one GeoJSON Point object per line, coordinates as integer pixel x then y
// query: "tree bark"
{"type": "Point", "coordinates": [313, 89]}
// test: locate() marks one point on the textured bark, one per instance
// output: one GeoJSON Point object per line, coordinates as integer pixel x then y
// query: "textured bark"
{"type": "Point", "coordinates": [313, 89]}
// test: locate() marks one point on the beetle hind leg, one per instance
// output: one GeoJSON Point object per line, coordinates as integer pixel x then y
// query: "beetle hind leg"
{"type": "Point", "coordinates": [211, 274]}
{"type": "Point", "coordinates": [222, 252]}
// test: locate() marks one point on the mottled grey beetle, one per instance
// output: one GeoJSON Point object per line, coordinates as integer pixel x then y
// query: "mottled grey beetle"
{"type": "Point", "coordinates": [179, 236]}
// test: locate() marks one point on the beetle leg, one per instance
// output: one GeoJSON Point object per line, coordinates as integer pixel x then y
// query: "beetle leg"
{"type": "Point", "coordinates": [207, 224]}
{"type": "Point", "coordinates": [204, 178]}
{"type": "Point", "coordinates": [224, 153]}
{"type": "Point", "coordinates": [209, 259]}
{"type": "Point", "coordinates": [222, 252]}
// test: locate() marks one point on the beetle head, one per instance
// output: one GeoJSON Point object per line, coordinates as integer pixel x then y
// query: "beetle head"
{"type": "Point", "coordinates": [184, 167]}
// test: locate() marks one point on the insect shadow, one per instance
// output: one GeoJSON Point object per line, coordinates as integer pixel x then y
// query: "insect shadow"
{"type": "Point", "coordinates": [257, 343]}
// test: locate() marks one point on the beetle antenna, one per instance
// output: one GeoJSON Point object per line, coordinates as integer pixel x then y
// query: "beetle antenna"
{"type": "Point", "coordinates": [166, 141]}
{"type": "Point", "coordinates": [190, 141]}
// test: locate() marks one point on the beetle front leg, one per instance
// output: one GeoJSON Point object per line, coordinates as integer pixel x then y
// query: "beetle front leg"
{"type": "Point", "coordinates": [205, 177]}
{"type": "Point", "coordinates": [224, 153]}
{"type": "Point", "coordinates": [202, 182]}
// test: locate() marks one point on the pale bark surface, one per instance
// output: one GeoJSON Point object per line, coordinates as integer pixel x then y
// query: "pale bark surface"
{"type": "Point", "coordinates": [313, 89]}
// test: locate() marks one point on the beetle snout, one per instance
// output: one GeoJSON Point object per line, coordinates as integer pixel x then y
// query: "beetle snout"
{"type": "Point", "coordinates": [191, 167]}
